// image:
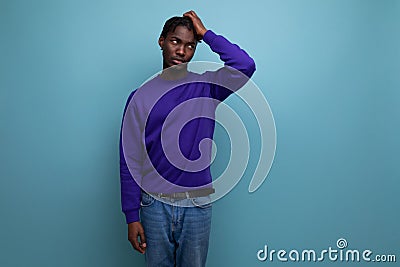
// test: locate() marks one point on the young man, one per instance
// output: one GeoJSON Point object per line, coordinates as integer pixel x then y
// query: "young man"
{"type": "Point", "coordinates": [164, 162]}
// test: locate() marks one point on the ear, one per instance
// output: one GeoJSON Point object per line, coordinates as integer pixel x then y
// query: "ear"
{"type": "Point", "coordinates": [161, 41]}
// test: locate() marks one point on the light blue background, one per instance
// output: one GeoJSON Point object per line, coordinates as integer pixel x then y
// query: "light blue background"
{"type": "Point", "coordinates": [329, 69]}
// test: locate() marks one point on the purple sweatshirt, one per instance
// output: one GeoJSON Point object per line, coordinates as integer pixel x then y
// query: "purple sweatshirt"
{"type": "Point", "coordinates": [167, 126]}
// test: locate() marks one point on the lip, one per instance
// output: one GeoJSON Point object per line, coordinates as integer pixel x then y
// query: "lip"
{"type": "Point", "coordinates": [177, 61]}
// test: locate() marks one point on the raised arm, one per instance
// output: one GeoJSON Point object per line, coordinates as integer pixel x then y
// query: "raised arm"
{"type": "Point", "coordinates": [239, 65]}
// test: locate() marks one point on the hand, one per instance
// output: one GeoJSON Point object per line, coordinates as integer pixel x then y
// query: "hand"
{"type": "Point", "coordinates": [135, 230]}
{"type": "Point", "coordinates": [198, 25]}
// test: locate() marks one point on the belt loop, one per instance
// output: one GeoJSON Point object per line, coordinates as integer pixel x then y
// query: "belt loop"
{"type": "Point", "coordinates": [187, 194]}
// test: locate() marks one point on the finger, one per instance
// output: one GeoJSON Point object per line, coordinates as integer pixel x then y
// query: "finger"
{"type": "Point", "coordinates": [135, 244]}
{"type": "Point", "coordinates": [143, 244]}
{"type": "Point", "coordinates": [140, 249]}
{"type": "Point", "coordinates": [193, 13]}
{"type": "Point", "coordinates": [189, 15]}
{"type": "Point", "coordinates": [195, 20]}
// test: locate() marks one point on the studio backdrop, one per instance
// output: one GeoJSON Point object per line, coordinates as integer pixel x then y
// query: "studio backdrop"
{"type": "Point", "coordinates": [329, 71]}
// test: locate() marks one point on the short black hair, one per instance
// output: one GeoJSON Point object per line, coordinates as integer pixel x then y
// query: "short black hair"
{"type": "Point", "coordinates": [171, 24]}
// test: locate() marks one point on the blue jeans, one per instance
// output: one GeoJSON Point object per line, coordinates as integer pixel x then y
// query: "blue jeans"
{"type": "Point", "coordinates": [177, 232]}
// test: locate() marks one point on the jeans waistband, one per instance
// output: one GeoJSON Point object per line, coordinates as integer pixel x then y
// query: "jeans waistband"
{"type": "Point", "coordinates": [185, 195]}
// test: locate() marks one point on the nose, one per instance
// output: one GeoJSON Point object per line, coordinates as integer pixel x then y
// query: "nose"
{"type": "Point", "coordinates": [180, 51]}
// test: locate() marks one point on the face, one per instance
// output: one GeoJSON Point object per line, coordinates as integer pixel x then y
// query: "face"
{"type": "Point", "coordinates": [178, 47]}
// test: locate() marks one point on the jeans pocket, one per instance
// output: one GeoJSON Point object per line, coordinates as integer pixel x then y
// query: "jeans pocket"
{"type": "Point", "coordinates": [202, 202]}
{"type": "Point", "coordinates": [147, 200]}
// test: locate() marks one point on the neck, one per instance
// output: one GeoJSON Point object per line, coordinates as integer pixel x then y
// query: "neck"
{"type": "Point", "coordinates": [175, 72]}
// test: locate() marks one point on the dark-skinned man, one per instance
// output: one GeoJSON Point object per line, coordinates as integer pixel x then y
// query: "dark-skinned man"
{"type": "Point", "coordinates": [165, 192]}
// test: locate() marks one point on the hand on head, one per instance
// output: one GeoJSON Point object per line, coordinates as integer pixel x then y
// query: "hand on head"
{"type": "Point", "coordinates": [197, 23]}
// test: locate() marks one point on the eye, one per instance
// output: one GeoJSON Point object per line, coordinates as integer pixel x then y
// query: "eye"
{"type": "Point", "coordinates": [191, 46]}
{"type": "Point", "coordinates": [174, 41]}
